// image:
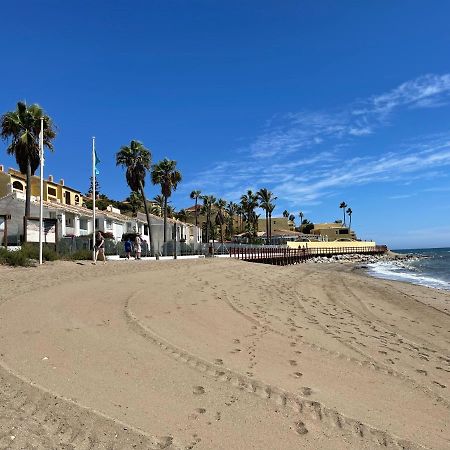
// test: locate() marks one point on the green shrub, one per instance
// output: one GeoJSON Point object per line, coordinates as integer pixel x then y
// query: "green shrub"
{"type": "Point", "coordinates": [80, 255]}
{"type": "Point", "coordinates": [31, 251]}
{"type": "Point", "coordinates": [14, 258]}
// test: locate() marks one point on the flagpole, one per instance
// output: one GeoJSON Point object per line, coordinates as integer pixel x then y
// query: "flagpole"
{"type": "Point", "coordinates": [93, 198]}
{"type": "Point", "coordinates": [41, 193]}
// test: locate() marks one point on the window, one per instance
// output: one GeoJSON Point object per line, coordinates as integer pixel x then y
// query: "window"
{"type": "Point", "coordinates": [77, 199]}
{"type": "Point", "coordinates": [343, 231]}
{"type": "Point", "coordinates": [18, 185]}
{"type": "Point", "coordinates": [109, 224]}
{"type": "Point", "coordinates": [69, 221]}
{"type": "Point", "coordinates": [51, 191]}
{"type": "Point", "coordinates": [96, 223]}
{"type": "Point", "coordinates": [83, 224]}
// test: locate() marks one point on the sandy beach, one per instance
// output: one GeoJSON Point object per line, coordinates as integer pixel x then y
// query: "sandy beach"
{"type": "Point", "coordinates": [220, 354]}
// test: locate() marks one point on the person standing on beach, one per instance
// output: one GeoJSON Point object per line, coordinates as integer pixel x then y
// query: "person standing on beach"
{"type": "Point", "coordinates": [137, 246]}
{"type": "Point", "coordinates": [128, 248]}
{"type": "Point", "coordinates": [99, 247]}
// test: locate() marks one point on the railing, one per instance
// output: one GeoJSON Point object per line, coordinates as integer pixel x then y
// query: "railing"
{"type": "Point", "coordinates": [285, 255]}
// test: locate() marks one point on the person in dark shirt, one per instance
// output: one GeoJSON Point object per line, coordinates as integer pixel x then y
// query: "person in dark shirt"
{"type": "Point", "coordinates": [99, 247]}
{"type": "Point", "coordinates": [128, 246]}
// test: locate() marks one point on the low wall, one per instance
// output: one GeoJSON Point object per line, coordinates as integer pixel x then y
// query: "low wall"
{"type": "Point", "coordinates": [332, 244]}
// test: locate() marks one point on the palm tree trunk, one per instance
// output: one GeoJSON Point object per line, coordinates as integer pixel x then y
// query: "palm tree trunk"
{"type": "Point", "coordinates": [270, 228]}
{"type": "Point", "coordinates": [196, 213]}
{"type": "Point", "coordinates": [267, 227]}
{"type": "Point", "coordinates": [344, 217]}
{"type": "Point", "coordinates": [28, 191]}
{"type": "Point", "coordinates": [165, 219]}
{"type": "Point", "coordinates": [152, 250]}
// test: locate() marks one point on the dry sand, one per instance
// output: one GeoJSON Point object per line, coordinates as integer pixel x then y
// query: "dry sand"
{"type": "Point", "coordinates": [220, 354]}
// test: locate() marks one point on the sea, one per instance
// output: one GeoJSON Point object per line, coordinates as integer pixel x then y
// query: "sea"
{"type": "Point", "coordinates": [426, 267]}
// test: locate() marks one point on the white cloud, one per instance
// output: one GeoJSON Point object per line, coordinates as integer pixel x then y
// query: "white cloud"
{"type": "Point", "coordinates": [306, 156]}
{"type": "Point", "coordinates": [296, 132]}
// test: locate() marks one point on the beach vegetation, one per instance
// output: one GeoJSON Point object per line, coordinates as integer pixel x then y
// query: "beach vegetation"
{"type": "Point", "coordinates": [231, 210]}
{"type": "Point", "coordinates": [208, 202]}
{"type": "Point", "coordinates": [22, 128]}
{"type": "Point", "coordinates": [159, 204]}
{"type": "Point", "coordinates": [301, 215]}
{"type": "Point", "coordinates": [266, 199]}
{"type": "Point", "coordinates": [91, 187]}
{"type": "Point", "coordinates": [342, 206]}
{"type": "Point", "coordinates": [135, 202]}
{"type": "Point", "coordinates": [195, 195]}
{"type": "Point", "coordinates": [220, 216]}
{"type": "Point", "coordinates": [349, 213]}
{"type": "Point", "coordinates": [14, 258]}
{"type": "Point", "coordinates": [165, 174]}
{"type": "Point", "coordinates": [249, 202]}
{"type": "Point", "coordinates": [136, 159]}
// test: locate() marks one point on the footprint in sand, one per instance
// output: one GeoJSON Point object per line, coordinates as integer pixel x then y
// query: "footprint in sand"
{"type": "Point", "coordinates": [423, 372]}
{"type": "Point", "coordinates": [236, 341]}
{"type": "Point", "coordinates": [292, 362]}
{"type": "Point", "coordinates": [297, 374]}
{"type": "Point", "coordinates": [443, 386]}
{"type": "Point", "coordinates": [200, 410]}
{"type": "Point", "coordinates": [218, 361]}
{"type": "Point", "coordinates": [198, 390]}
{"type": "Point", "coordinates": [300, 428]}
{"type": "Point", "coordinates": [306, 390]}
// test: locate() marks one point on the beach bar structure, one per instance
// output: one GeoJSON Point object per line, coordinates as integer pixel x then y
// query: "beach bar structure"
{"type": "Point", "coordinates": [282, 256]}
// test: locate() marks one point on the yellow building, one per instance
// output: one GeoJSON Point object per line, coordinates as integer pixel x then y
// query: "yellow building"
{"type": "Point", "coordinates": [333, 231]}
{"type": "Point", "coordinates": [14, 181]}
{"type": "Point", "coordinates": [278, 223]}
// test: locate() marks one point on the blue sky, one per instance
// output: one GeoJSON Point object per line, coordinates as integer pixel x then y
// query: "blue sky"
{"type": "Point", "coordinates": [321, 102]}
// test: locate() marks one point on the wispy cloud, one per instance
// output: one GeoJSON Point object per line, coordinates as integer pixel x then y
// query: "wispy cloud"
{"type": "Point", "coordinates": [290, 133]}
{"type": "Point", "coordinates": [307, 181]}
{"type": "Point", "coordinates": [307, 156]}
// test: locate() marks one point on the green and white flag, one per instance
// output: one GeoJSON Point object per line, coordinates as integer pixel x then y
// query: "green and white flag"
{"type": "Point", "coordinates": [97, 161]}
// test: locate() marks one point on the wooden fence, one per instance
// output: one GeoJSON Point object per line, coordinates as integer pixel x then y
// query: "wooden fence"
{"type": "Point", "coordinates": [282, 256]}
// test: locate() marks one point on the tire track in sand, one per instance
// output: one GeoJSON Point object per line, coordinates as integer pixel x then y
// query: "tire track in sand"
{"type": "Point", "coordinates": [307, 409]}
{"type": "Point", "coordinates": [32, 417]}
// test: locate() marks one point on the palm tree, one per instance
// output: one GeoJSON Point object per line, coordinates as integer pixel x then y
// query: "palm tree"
{"type": "Point", "coordinates": [220, 218]}
{"type": "Point", "coordinates": [23, 127]}
{"type": "Point", "coordinates": [159, 200]}
{"type": "Point", "coordinates": [249, 202]}
{"type": "Point", "coordinates": [349, 212]}
{"type": "Point", "coordinates": [181, 215]}
{"type": "Point", "coordinates": [286, 213]}
{"type": "Point", "coordinates": [232, 209]}
{"type": "Point", "coordinates": [208, 202]}
{"type": "Point", "coordinates": [171, 211]}
{"type": "Point", "coordinates": [301, 215]}
{"type": "Point", "coordinates": [135, 201]}
{"type": "Point", "coordinates": [270, 209]}
{"type": "Point", "coordinates": [136, 159]}
{"type": "Point", "coordinates": [195, 195]}
{"type": "Point", "coordinates": [343, 205]}
{"type": "Point", "coordinates": [265, 198]}
{"type": "Point", "coordinates": [165, 174]}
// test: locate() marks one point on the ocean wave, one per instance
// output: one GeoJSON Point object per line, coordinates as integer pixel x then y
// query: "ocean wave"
{"type": "Point", "coordinates": [401, 272]}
